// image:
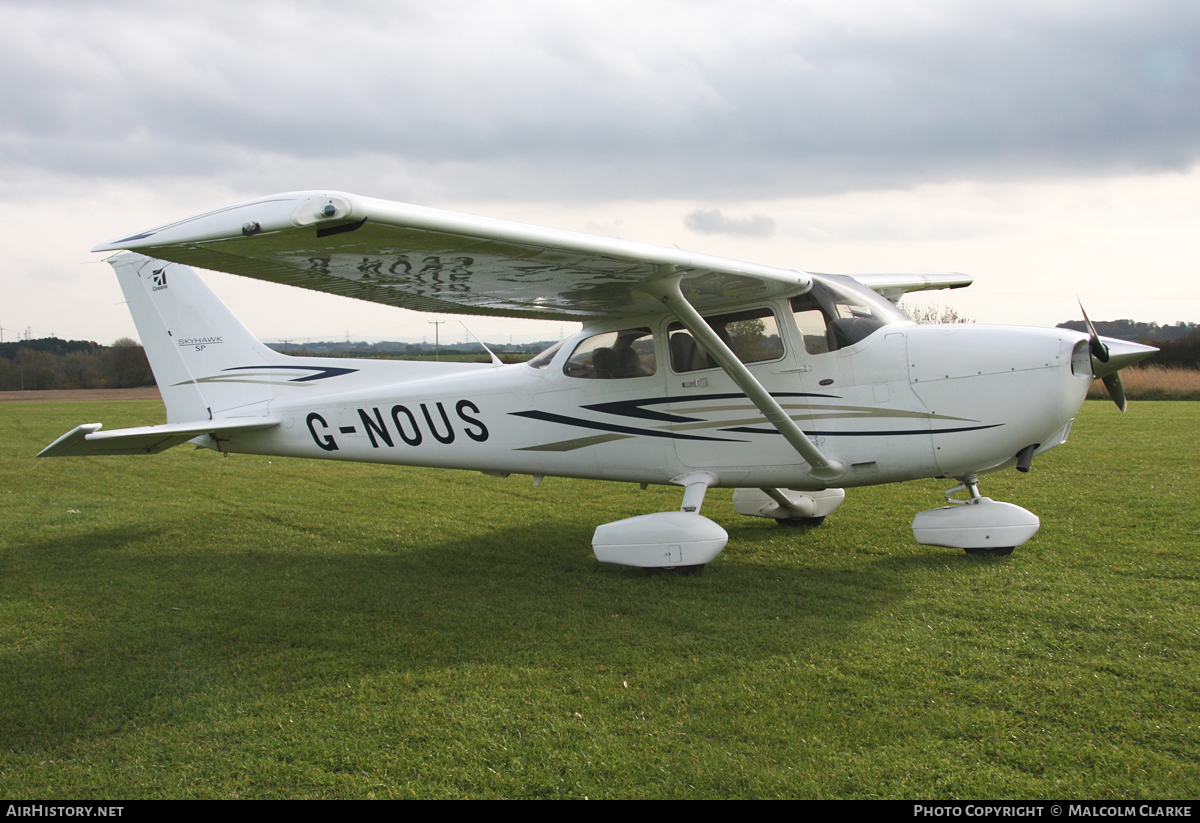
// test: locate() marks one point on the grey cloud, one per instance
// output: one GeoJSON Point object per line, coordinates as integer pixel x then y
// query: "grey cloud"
{"type": "Point", "coordinates": [713, 222]}
{"type": "Point", "coordinates": [1165, 66]}
{"type": "Point", "coordinates": [572, 102]}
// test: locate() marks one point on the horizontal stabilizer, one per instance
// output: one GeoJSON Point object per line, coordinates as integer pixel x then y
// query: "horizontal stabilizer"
{"type": "Point", "coordinates": [895, 286]}
{"type": "Point", "coordinates": [88, 440]}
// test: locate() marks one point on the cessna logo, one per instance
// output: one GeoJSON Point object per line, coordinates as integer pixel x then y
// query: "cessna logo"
{"type": "Point", "coordinates": [159, 277]}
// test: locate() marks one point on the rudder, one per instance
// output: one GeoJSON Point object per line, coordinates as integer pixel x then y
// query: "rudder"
{"type": "Point", "coordinates": [200, 353]}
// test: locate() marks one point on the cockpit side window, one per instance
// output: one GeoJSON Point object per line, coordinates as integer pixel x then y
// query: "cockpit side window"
{"type": "Point", "coordinates": [811, 322]}
{"type": "Point", "coordinates": [751, 335]}
{"type": "Point", "coordinates": [613, 355]}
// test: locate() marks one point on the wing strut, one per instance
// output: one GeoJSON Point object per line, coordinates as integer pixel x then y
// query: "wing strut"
{"type": "Point", "coordinates": [667, 290]}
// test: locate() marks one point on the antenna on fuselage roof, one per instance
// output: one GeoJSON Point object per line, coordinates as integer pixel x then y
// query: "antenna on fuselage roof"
{"type": "Point", "coordinates": [496, 361]}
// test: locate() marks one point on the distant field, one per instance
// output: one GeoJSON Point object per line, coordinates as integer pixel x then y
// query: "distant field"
{"type": "Point", "coordinates": [190, 625]}
{"type": "Point", "coordinates": [1154, 383]}
{"type": "Point", "coordinates": [142, 393]}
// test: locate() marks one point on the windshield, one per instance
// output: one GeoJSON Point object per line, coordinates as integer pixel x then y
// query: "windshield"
{"type": "Point", "coordinates": [839, 311]}
{"type": "Point", "coordinates": [542, 360]}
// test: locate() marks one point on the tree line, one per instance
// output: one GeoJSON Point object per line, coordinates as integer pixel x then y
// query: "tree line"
{"type": "Point", "coordinates": [1152, 334]}
{"type": "Point", "coordinates": [50, 363]}
{"type": "Point", "coordinates": [1179, 353]}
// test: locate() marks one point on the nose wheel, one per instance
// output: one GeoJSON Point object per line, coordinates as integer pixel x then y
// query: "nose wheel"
{"type": "Point", "coordinates": [995, 551]}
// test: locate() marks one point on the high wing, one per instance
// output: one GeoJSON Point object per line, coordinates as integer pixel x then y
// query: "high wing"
{"type": "Point", "coordinates": [432, 260]}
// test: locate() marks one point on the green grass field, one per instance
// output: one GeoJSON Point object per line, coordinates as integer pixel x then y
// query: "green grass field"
{"type": "Point", "coordinates": [189, 625]}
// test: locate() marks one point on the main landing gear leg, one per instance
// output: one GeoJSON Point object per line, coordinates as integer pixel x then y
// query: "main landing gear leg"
{"type": "Point", "coordinates": [978, 525]}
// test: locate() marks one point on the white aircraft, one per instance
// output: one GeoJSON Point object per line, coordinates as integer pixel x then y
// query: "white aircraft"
{"type": "Point", "coordinates": [690, 370]}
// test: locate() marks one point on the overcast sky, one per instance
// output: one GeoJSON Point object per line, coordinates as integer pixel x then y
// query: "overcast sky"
{"type": "Point", "coordinates": [1049, 149]}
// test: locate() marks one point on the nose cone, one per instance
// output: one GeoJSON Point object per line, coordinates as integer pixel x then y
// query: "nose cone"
{"type": "Point", "coordinates": [1004, 388]}
{"type": "Point", "coordinates": [1121, 353]}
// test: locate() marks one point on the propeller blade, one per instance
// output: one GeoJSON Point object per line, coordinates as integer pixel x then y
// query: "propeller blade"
{"type": "Point", "coordinates": [1099, 350]}
{"type": "Point", "coordinates": [1109, 356]}
{"type": "Point", "coordinates": [1116, 390]}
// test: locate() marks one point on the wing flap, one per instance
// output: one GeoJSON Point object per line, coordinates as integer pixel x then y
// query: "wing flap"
{"type": "Point", "coordinates": [88, 440]}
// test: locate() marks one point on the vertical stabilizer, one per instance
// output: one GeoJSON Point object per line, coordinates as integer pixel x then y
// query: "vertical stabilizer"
{"type": "Point", "coordinates": [202, 356]}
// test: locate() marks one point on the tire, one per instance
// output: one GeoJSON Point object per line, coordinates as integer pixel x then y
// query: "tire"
{"type": "Point", "coordinates": [675, 571]}
{"type": "Point", "coordinates": [805, 522]}
{"type": "Point", "coordinates": [997, 551]}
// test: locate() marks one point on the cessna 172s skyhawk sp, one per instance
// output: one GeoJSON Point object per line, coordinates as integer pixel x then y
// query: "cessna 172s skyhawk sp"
{"type": "Point", "coordinates": [689, 370]}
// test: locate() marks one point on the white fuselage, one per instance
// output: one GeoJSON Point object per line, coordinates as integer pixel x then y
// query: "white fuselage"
{"type": "Point", "coordinates": [906, 402]}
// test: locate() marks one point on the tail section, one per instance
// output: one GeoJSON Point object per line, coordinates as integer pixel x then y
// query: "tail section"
{"type": "Point", "coordinates": [204, 359]}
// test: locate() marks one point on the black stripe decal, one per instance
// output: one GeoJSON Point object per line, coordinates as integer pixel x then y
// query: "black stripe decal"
{"type": "Point", "coordinates": [748, 430]}
{"type": "Point", "coordinates": [634, 408]}
{"type": "Point", "coordinates": [322, 371]}
{"type": "Point", "coordinates": [608, 427]}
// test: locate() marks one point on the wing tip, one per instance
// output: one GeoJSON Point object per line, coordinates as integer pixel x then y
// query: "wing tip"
{"type": "Point", "coordinates": [69, 442]}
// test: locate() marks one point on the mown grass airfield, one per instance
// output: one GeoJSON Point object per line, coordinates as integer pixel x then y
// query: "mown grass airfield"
{"type": "Point", "coordinates": [193, 625]}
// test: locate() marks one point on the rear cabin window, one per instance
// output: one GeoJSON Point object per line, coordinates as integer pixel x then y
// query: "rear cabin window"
{"type": "Point", "coordinates": [613, 355]}
{"type": "Point", "coordinates": [751, 335]}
